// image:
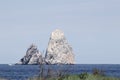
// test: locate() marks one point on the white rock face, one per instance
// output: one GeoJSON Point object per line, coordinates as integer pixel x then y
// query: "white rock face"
{"type": "Point", "coordinates": [33, 56]}
{"type": "Point", "coordinates": [59, 51]}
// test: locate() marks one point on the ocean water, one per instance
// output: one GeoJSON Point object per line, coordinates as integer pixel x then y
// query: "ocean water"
{"type": "Point", "coordinates": [23, 72]}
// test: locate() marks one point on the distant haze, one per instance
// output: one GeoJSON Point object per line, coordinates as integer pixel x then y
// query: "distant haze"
{"type": "Point", "coordinates": [92, 27]}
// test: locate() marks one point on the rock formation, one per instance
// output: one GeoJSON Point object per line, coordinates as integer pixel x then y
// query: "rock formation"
{"type": "Point", "coordinates": [59, 51]}
{"type": "Point", "coordinates": [33, 56]}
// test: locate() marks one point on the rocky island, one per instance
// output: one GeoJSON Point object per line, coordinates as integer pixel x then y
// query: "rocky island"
{"type": "Point", "coordinates": [57, 52]}
{"type": "Point", "coordinates": [33, 56]}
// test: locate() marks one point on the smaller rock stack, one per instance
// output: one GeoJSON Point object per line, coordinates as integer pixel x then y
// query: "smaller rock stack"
{"type": "Point", "coordinates": [33, 56]}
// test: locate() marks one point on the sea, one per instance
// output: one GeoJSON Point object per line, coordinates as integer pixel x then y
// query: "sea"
{"type": "Point", "coordinates": [25, 72]}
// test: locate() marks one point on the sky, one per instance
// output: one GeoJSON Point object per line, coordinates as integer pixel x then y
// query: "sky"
{"type": "Point", "coordinates": [91, 27]}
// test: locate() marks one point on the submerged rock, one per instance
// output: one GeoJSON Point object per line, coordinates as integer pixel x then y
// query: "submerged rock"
{"type": "Point", "coordinates": [33, 56]}
{"type": "Point", "coordinates": [58, 50]}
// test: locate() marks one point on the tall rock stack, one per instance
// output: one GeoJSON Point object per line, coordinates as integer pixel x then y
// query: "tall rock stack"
{"type": "Point", "coordinates": [33, 56]}
{"type": "Point", "coordinates": [59, 51]}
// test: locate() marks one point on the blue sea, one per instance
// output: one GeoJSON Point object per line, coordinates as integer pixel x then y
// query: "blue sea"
{"type": "Point", "coordinates": [23, 72]}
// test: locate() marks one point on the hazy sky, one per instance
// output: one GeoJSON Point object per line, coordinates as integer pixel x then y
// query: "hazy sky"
{"type": "Point", "coordinates": [92, 27]}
